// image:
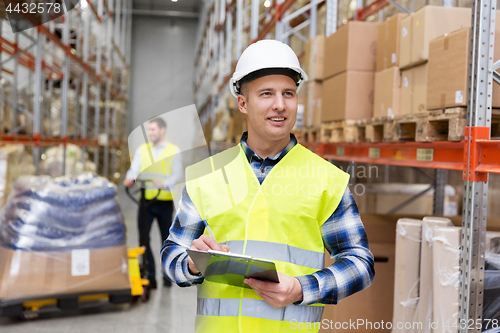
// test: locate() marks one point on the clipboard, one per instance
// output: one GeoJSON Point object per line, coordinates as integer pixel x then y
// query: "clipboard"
{"type": "Point", "coordinates": [231, 268]}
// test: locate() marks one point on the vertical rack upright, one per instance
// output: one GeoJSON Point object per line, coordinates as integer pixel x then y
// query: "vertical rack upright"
{"type": "Point", "coordinates": [75, 60]}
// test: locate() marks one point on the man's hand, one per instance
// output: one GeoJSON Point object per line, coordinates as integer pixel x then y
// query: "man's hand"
{"type": "Point", "coordinates": [128, 182]}
{"type": "Point", "coordinates": [158, 184]}
{"type": "Point", "coordinates": [204, 243]}
{"type": "Point", "coordinates": [278, 295]}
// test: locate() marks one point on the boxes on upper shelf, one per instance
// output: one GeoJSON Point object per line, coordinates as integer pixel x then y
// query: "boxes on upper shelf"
{"type": "Point", "coordinates": [348, 95]}
{"type": "Point", "coordinates": [414, 89]}
{"type": "Point", "coordinates": [448, 71]}
{"type": "Point", "coordinates": [388, 42]}
{"type": "Point", "coordinates": [314, 58]}
{"type": "Point", "coordinates": [352, 47]}
{"type": "Point", "coordinates": [387, 92]}
{"type": "Point", "coordinates": [424, 25]}
{"type": "Point", "coordinates": [313, 104]}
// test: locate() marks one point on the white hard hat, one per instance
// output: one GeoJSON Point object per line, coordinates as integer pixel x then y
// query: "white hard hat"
{"type": "Point", "coordinates": [267, 57]}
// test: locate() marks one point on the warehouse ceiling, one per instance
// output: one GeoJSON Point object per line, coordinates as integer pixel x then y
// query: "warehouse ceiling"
{"type": "Point", "coordinates": [190, 6]}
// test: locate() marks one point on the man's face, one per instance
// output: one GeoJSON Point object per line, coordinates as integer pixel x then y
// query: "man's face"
{"type": "Point", "coordinates": [271, 106]}
{"type": "Point", "coordinates": [155, 133]}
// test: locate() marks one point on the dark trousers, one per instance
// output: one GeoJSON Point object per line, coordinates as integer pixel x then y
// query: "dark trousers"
{"type": "Point", "coordinates": [162, 210]}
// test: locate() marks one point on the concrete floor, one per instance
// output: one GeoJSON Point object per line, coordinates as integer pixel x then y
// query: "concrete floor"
{"type": "Point", "coordinates": [168, 310]}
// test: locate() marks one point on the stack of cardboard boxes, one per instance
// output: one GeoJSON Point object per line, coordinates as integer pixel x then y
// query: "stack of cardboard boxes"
{"type": "Point", "coordinates": [448, 80]}
{"type": "Point", "coordinates": [388, 78]}
{"type": "Point", "coordinates": [313, 63]}
{"type": "Point", "coordinates": [406, 65]}
{"type": "Point", "coordinates": [417, 31]}
{"type": "Point", "coordinates": [349, 72]}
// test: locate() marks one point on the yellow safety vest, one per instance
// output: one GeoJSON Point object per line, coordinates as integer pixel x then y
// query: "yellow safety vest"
{"type": "Point", "coordinates": [278, 220]}
{"type": "Point", "coordinates": [160, 169]}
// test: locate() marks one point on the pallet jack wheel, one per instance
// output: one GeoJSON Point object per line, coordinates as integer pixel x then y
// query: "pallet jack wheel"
{"type": "Point", "coordinates": [145, 294]}
{"type": "Point", "coordinates": [29, 316]}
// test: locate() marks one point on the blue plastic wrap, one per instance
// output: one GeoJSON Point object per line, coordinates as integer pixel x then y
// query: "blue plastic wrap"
{"type": "Point", "coordinates": [53, 214]}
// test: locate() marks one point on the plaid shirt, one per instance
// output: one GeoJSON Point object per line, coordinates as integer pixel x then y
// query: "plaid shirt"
{"type": "Point", "coordinates": [343, 234]}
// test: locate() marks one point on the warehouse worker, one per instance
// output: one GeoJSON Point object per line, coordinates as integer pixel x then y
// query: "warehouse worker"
{"type": "Point", "coordinates": [167, 171]}
{"type": "Point", "coordinates": [271, 199]}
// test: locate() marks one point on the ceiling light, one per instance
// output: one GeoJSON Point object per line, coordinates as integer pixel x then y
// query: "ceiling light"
{"type": "Point", "coordinates": [174, 0]}
{"type": "Point", "coordinates": [267, 3]}
{"type": "Point", "coordinates": [83, 4]}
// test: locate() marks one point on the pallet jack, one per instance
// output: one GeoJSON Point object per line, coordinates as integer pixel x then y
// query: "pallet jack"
{"type": "Point", "coordinates": [143, 206]}
{"type": "Point", "coordinates": [138, 264]}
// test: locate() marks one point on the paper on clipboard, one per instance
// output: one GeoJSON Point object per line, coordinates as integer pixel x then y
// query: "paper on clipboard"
{"type": "Point", "coordinates": [230, 268]}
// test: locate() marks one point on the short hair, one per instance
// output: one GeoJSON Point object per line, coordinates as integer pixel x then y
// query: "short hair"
{"type": "Point", "coordinates": [244, 89]}
{"type": "Point", "coordinates": [160, 122]}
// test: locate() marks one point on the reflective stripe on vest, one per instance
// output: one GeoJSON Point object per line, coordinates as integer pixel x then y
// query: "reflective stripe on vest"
{"type": "Point", "coordinates": [160, 168]}
{"type": "Point", "coordinates": [280, 252]}
{"type": "Point", "coordinates": [258, 309]}
{"type": "Point", "coordinates": [278, 220]}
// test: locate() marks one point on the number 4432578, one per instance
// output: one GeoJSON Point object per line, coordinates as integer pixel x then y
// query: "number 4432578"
{"type": "Point", "coordinates": [34, 8]}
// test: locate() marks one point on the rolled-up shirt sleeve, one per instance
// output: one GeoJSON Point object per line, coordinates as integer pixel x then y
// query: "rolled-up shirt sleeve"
{"type": "Point", "coordinates": [187, 226]}
{"type": "Point", "coordinates": [345, 239]}
{"type": "Point", "coordinates": [135, 166]}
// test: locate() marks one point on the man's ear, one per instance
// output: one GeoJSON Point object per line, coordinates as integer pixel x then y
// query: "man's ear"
{"type": "Point", "coordinates": [242, 104]}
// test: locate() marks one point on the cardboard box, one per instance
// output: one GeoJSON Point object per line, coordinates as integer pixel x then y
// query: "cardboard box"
{"type": "Point", "coordinates": [448, 72]}
{"type": "Point", "coordinates": [424, 307]}
{"type": "Point", "coordinates": [380, 198]}
{"type": "Point", "coordinates": [406, 281]}
{"type": "Point", "coordinates": [314, 58]}
{"type": "Point", "coordinates": [419, 88]}
{"type": "Point", "coordinates": [387, 93]}
{"type": "Point", "coordinates": [388, 39]}
{"type": "Point", "coordinates": [313, 104]}
{"type": "Point", "coordinates": [446, 278]}
{"type": "Point", "coordinates": [406, 91]}
{"type": "Point", "coordinates": [371, 305]}
{"type": "Point", "coordinates": [352, 47]}
{"type": "Point", "coordinates": [405, 42]}
{"type": "Point", "coordinates": [348, 95]}
{"type": "Point", "coordinates": [428, 23]}
{"type": "Point", "coordinates": [30, 275]}
{"type": "Point", "coordinates": [414, 89]}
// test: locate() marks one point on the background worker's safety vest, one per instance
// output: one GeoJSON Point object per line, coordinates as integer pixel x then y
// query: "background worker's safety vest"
{"type": "Point", "coordinates": [159, 170]}
{"type": "Point", "coordinates": [278, 220]}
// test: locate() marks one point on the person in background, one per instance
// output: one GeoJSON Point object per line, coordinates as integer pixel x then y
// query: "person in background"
{"type": "Point", "coordinates": [272, 199]}
{"type": "Point", "coordinates": [165, 172]}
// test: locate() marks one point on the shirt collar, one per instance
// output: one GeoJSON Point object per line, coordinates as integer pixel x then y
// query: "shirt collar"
{"type": "Point", "coordinates": [162, 145]}
{"type": "Point", "coordinates": [250, 154]}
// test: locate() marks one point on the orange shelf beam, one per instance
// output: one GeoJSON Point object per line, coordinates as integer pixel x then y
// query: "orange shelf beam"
{"type": "Point", "coordinates": [445, 155]}
{"type": "Point", "coordinates": [364, 13]}
{"type": "Point", "coordinates": [33, 140]}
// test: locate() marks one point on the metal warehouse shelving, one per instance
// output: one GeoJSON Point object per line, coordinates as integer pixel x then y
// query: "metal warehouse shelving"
{"type": "Point", "coordinates": [85, 54]}
{"type": "Point", "coordinates": [476, 156]}
{"type": "Point", "coordinates": [228, 26]}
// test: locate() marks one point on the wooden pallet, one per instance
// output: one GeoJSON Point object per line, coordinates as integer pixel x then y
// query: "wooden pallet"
{"type": "Point", "coordinates": [495, 124]}
{"type": "Point", "coordinates": [436, 125]}
{"type": "Point", "coordinates": [360, 131]}
{"type": "Point", "coordinates": [339, 131]}
{"type": "Point", "coordinates": [307, 134]}
{"type": "Point", "coordinates": [379, 129]}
